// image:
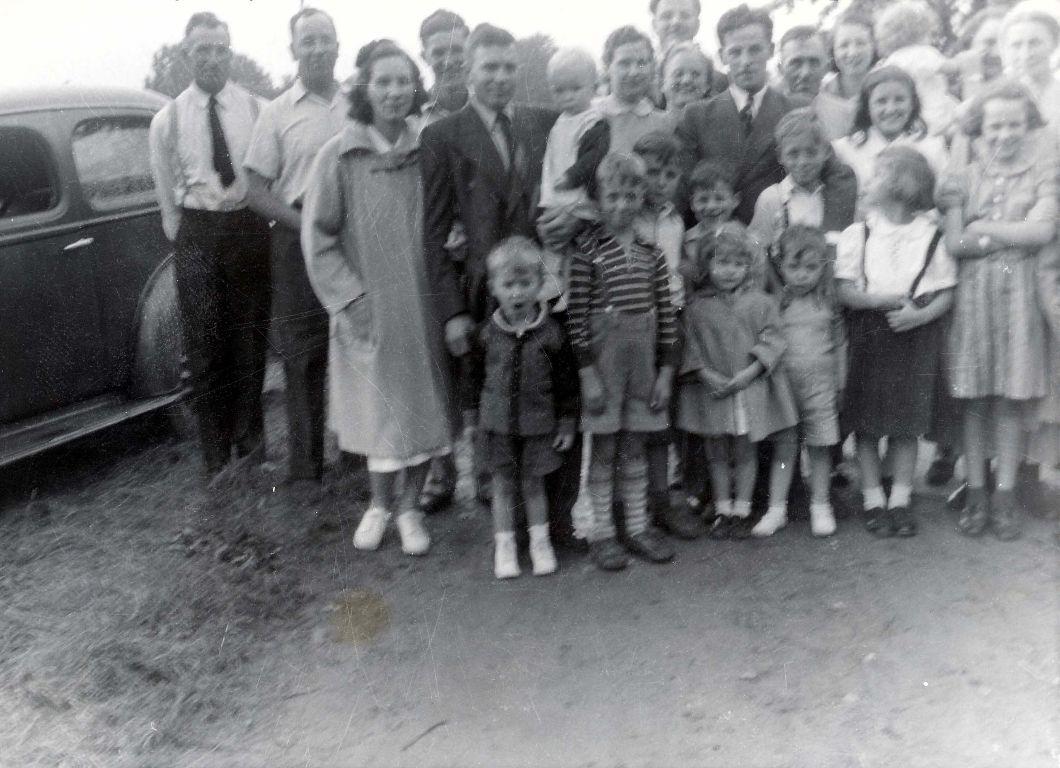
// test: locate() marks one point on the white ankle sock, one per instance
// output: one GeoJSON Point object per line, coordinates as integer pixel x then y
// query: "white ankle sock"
{"type": "Point", "coordinates": [900, 496]}
{"type": "Point", "coordinates": [778, 509]}
{"type": "Point", "coordinates": [874, 498]}
{"type": "Point", "coordinates": [539, 532]}
{"type": "Point", "coordinates": [820, 507]}
{"type": "Point", "coordinates": [741, 509]}
{"type": "Point", "coordinates": [723, 507]}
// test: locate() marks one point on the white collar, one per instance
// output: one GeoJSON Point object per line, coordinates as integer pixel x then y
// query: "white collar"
{"type": "Point", "coordinates": [612, 106]}
{"type": "Point", "coordinates": [202, 98]}
{"type": "Point", "coordinates": [501, 322]}
{"type": "Point", "coordinates": [789, 188]}
{"type": "Point", "coordinates": [740, 96]}
{"type": "Point", "coordinates": [488, 114]}
{"type": "Point", "coordinates": [299, 92]}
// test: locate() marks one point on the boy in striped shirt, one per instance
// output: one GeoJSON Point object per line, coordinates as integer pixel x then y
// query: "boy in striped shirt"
{"type": "Point", "coordinates": [624, 334]}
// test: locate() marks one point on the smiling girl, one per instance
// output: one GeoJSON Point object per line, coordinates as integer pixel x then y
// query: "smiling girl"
{"type": "Point", "coordinates": [997, 220]}
{"type": "Point", "coordinates": [888, 114]}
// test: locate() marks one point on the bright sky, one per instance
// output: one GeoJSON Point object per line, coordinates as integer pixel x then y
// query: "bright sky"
{"type": "Point", "coordinates": [110, 42]}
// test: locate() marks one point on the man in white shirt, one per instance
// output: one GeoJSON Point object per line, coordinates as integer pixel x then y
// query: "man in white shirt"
{"type": "Point", "coordinates": [198, 142]}
{"type": "Point", "coordinates": [289, 133]}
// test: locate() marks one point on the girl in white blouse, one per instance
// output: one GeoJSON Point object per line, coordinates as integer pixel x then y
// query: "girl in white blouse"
{"type": "Point", "coordinates": [888, 114]}
{"type": "Point", "coordinates": [895, 277]}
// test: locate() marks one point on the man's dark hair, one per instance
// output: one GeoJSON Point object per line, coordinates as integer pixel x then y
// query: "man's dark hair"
{"type": "Point", "coordinates": [360, 107]}
{"type": "Point", "coordinates": [742, 16]}
{"type": "Point", "coordinates": [654, 5]}
{"type": "Point", "coordinates": [442, 21]}
{"type": "Point", "coordinates": [305, 13]}
{"type": "Point", "coordinates": [660, 147]}
{"type": "Point", "coordinates": [203, 19]}
{"type": "Point", "coordinates": [488, 36]}
{"type": "Point", "coordinates": [708, 174]}
{"type": "Point", "coordinates": [800, 33]}
{"type": "Point", "coordinates": [624, 36]}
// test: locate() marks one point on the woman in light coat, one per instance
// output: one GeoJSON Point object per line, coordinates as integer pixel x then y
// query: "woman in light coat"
{"type": "Point", "coordinates": [361, 235]}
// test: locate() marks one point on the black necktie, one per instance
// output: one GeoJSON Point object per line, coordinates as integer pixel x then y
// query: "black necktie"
{"type": "Point", "coordinates": [505, 124]}
{"type": "Point", "coordinates": [222, 160]}
{"type": "Point", "coordinates": [747, 117]}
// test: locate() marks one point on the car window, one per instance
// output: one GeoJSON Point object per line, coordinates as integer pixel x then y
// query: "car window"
{"type": "Point", "coordinates": [27, 174]}
{"type": "Point", "coordinates": [113, 162]}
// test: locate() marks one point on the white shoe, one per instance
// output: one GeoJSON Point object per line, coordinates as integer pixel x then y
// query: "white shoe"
{"type": "Point", "coordinates": [505, 559]}
{"type": "Point", "coordinates": [541, 555]}
{"type": "Point", "coordinates": [370, 530]}
{"type": "Point", "coordinates": [414, 538]}
{"type": "Point", "coordinates": [822, 521]}
{"type": "Point", "coordinates": [771, 522]}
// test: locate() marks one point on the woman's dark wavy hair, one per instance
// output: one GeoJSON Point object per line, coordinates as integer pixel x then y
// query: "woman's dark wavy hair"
{"type": "Point", "coordinates": [862, 119]}
{"type": "Point", "coordinates": [377, 50]}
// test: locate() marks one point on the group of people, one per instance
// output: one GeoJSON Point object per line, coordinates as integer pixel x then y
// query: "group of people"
{"type": "Point", "coordinates": [680, 270]}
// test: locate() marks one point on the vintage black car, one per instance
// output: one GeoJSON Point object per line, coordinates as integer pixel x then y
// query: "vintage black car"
{"type": "Point", "coordinates": [89, 332]}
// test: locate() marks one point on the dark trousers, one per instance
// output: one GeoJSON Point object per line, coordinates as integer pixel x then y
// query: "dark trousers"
{"type": "Point", "coordinates": [300, 333]}
{"type": "Point", "coordinates": [222, 272]}
{"type": "Point", "coordinates": [561, 490]}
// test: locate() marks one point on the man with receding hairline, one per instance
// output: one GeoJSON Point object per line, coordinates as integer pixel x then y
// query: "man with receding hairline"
{"type": "Point", "coordinates": [198, 143]}
{"type": "Point", "coordinates": [289, 133]}
{"type": "Point", "coordinates": [443, 37]}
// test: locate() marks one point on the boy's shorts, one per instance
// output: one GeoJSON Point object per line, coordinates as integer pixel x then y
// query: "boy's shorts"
{"type": "Point", "coordinates": [509, 455]}
{"type": "Point", "coordinates": [817, 402]}
{"type": "Point", "coordinates": [625, 360]}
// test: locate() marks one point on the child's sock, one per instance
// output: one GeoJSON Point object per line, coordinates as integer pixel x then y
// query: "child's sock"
{"type": "Point", "coordinates": [900, 496]}
{"type": "Point", "coordinates": [601, 494]}
{"type": "Point", "coordinates": [632, 484]}
{"type": "Point", "coordinates": [723, 507]}
{"type": "Point", "coordinates": [874, 498]}
{"type": "Point", "coordinates": [505, 559]}
{"type": "Point", "coordinates": [822, 519]}
{"type": "Point", "coordinates": [542, 556]}
{"type": "Point", "coordinates": [775, 518]}
{"type": "Point", "coordinates": [741, 509]}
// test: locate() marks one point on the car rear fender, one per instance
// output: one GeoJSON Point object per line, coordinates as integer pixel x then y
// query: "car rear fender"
{"type": "Point", "coordinates": [158, 357]}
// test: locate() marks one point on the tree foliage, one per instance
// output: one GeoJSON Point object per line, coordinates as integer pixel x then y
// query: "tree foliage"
{"type": "Point", "coordinates": [952, 14]}
{"type": "Point", "coordinates": [170, 73]}
{"type": "Point", "coordinates": [533, 54]}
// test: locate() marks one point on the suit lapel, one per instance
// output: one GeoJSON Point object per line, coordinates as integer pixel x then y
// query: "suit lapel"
{"type": "Point", "coordinates": [761, 138]}
{"type": "Point", "coordinates": [478, 146]}
{"type": "Point", "coordinates": [520, 171]}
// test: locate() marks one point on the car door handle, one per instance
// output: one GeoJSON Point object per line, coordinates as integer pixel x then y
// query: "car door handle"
{"type": "Point", "coordinates": [78, 244]}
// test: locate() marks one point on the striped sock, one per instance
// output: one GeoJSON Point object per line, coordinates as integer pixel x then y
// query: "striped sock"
{"type": "Point", "coordinates": [632, 484]}
{"type": "Point", "coordinates": [601, 494]}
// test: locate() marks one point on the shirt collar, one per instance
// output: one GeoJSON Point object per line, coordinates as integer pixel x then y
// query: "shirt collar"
{"type": "Point", "coordinates": [501, 322]}
{"type": "Point", "coordinates": [740, 96]}
{"type": "Point", "coordinates": [788, 187]}
{"type": "Point", "coordinates": [489, 115]}
{"type": "Point", "coordinates": [202, 98]}
{"type": "Point", "coordinates": [612, 106]}
{"type": "Point", "coordinates": [299, 92]}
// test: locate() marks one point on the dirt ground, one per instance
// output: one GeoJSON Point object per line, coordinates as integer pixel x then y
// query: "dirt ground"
{"type": "Point", "coordinates": [146, 622]}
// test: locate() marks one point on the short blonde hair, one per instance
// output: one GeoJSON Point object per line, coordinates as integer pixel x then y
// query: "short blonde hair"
{"type": "Point", "coordinates": [573, 59]}
{"type": "Point", "coordinates": [518, 254]}
{"type": "Point", "coordinates": [907, 22]}
{"type": "Point", "coordinates": [620, 170]}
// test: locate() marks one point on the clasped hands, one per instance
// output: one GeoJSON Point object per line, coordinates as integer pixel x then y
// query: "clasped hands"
{"type": "Point", "coordinates": [594, 395]}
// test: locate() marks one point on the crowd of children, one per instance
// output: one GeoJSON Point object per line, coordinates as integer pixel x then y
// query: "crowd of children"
{"type": "Point", "coordinates": [886, 271]}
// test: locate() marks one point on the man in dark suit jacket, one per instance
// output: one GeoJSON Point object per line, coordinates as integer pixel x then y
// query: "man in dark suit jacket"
{"type": "Point", "coordinates": [736, 126]}
{"type": "Point", "coordinates": [482, 167]}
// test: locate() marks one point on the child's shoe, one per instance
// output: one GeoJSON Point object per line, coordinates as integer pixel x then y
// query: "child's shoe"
{"type": "Point", "coordinates": [771, 522]}
{"type": "Point", "coordinates": [1003, 520]}
{"type": "Point", "coordinates": [822, 519]}
{"type": "Point", "coordinates": [901, 522]}
{"type": "Point", "coordinates": [414, 538]}
{"type": "Point", "coordinates": [651, 545]}
{"type": "Point", "coordinates": [541, 554]}
{"type": "Point", "coordinates": [370, 530]}
{"type": "Point", "coordinates": [677, 521]}
{"type": "Point", "coordinates": [877, 522]}
{"type": "Point", "coordinates": [505, 557]}
{"type": "Point", "coordinates": [607, 555]}
{"type": "Point", "coordinates": [976, 513]}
